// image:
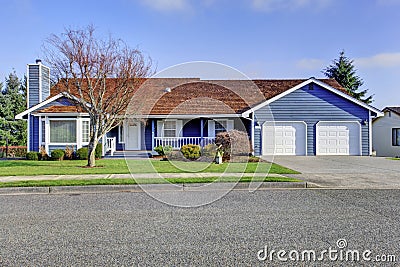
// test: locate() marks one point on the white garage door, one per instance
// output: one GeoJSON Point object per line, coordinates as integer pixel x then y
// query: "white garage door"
{"type": "Point", "coordinates": [284, 138]}
{"type": "Point", "coordinates": [338, 138]}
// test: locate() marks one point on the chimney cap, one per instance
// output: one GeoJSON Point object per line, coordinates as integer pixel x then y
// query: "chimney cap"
{"type": "Point", "coordinates": [38, 61]}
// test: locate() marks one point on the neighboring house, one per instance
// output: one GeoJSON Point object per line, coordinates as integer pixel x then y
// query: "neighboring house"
{"type": "Point", "coordinates": [386, 133]}
{"type": "Point", "coordinates": [281, 117]}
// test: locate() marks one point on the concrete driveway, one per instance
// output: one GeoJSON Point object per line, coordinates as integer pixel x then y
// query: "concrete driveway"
{"type": "Point", "coordinates": [345, 171]}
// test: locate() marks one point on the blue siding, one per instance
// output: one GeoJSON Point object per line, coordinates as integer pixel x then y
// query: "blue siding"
{"type": "Point", "coordinates": [312, 106]}
{"type": "Point", "coordinates": [62, 101]}
{"type": "Point", "coordinates": [33, 85]}
{"type": "Point", "coordinates": [33, 133]}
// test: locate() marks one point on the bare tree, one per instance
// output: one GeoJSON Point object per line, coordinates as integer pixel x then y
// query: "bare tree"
{"type": "Point", "coordinates": [99, 75]}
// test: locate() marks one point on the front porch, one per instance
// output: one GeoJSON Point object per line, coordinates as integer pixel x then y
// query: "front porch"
{"type": "Point", "coordinates": [138, 135]}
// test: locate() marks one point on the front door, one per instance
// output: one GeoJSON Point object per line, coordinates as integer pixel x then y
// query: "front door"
{"type": "Point", "coordinates": [132, 135]}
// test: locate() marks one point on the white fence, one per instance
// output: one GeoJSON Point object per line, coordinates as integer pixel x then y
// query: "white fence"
{"type": "Point", "coordinates": [178, 142]}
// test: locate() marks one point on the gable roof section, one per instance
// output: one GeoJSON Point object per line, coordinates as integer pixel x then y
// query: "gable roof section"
{"type": "Point", "coordinates": [393, 109]}
{"type": "Point", "coordinates": [339, 91]}
{"type": "Point", "coordinates": [212, 97]}
{"type": "Point", "coordinates": [47, 101]}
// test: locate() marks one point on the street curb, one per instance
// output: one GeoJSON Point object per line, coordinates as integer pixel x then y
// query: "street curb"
{"type": "Point", "coordinates": [24, 190]}
{"type": "Point", "coordinates": [147, 187]}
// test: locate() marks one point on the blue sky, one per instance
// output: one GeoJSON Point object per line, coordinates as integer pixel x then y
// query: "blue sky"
{"type": "Point", "coordinates": [261, 38]}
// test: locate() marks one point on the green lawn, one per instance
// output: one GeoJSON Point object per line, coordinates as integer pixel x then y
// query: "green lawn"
{"type": "Point", "coordinates": [119, 166]}
{"type": "Point", "coordinates": [141, 181]}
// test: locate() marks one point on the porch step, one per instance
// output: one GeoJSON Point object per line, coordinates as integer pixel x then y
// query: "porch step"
{"type": "Point", "coordinates": [129, 154]}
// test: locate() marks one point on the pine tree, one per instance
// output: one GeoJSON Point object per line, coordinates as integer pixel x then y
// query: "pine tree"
{"type": "Point", "coordinates": [12, 102]}
{"type": "Point", "coordinates": [344, 72]}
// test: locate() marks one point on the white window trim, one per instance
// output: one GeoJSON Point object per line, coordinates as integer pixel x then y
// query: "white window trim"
{"type": "Point", "coordinates": [121, 133]}
{"type": "Point", "coordinates": [79, 136]}
{"type": "Point", "coordinates": [80, 121]}
{"type": "Point", "coordinates": [230, 125]}
{"type": "Point", "coordinates": [178, 129]}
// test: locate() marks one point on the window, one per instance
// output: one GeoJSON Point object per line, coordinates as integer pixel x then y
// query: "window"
{"type": "Point", "coordinates": [396, 136]}
{"type": "Point", "coordinates": [220, 126]}
{"type": "Point", "coordinates": [121, 134]}
{"type": "Point", "coordinates": [85, 131]}
{"type": "Point", "coordinates": [170, 129]}
{"type": "Point", "coordinates": [62, 131]}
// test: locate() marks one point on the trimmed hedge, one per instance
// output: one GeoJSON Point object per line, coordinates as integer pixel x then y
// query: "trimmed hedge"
{"type": "Point", "coordinates": [99, 151]}
{"type": "Point", "coordinates": [32, 155]}
{"type": "Point", "coordinates": [82, 153]}
{"type": "Point", "coordinates": [57, 154]}
{"type": "Point", "coordinates": [13, 151]}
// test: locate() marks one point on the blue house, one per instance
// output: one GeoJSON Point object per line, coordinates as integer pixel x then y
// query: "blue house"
{"type": "Point", "coordinates": [281, 117]}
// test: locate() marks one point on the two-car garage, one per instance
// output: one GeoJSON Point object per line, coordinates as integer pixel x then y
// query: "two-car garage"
{"type": "Point", "coordinates": [330, 138]}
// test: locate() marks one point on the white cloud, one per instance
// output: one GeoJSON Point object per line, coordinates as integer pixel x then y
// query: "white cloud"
{"type": "Point", "coordinates": [383, 60]}
{"type": "Point", "coordinates": [272, 5]}
{"type": "Point", "coordinates": [167, 5]}
{"type": "Point", "coordinates": [310, 64]}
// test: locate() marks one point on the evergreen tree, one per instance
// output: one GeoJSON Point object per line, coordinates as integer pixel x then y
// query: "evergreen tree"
{"type": "Point", "coordinates": [344, 72]}
{"type": "Point", "coordinates": [12, 102]}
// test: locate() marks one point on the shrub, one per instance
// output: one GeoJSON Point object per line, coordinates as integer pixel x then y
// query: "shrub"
{"type": "Point", "coordinates": [190, 151]}
{"type": "Point", "coordinates": [82, 153]}
{"type": "Point", "coordinates": [163, 150]}
{"type": "Point", "coordinates": [98, 151]}
{"type": "Point", "coordinates": [57, 154]}
{"type": "Point", "coordinates": [32, 156]}
{"type": "Point", "coordinates": [232, 143]}
{"type": "Point", "coordinates": [69, 152]}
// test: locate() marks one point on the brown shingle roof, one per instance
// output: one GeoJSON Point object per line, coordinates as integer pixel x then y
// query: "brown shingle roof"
{"type": "Point", "coordinates": [195, 96]}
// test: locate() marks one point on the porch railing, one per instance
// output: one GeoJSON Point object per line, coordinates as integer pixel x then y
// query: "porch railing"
{"type": "Point", "coordinates": [178, 142]}
{"type": "Point", "coordinates": [111, 145]}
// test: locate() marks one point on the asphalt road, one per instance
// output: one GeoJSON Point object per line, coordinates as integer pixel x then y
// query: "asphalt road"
{"type": "Point", "coordinates": [133, 229]}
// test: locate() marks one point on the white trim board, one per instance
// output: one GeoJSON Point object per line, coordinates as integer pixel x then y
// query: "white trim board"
{"type": "Point", "coordinates": [51, 99]}
{"type": "Point", "coordinates": [323, 85]}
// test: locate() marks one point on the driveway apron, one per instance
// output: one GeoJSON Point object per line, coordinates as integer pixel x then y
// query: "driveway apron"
{"type": "Point", "coordinates": [344, 171]}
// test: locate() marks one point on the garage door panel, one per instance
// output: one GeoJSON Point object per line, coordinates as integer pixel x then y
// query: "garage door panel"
{"type": "Point", "coordinates": [284, 138]}
{"type": "Point", "coordinates": [338, 138]}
